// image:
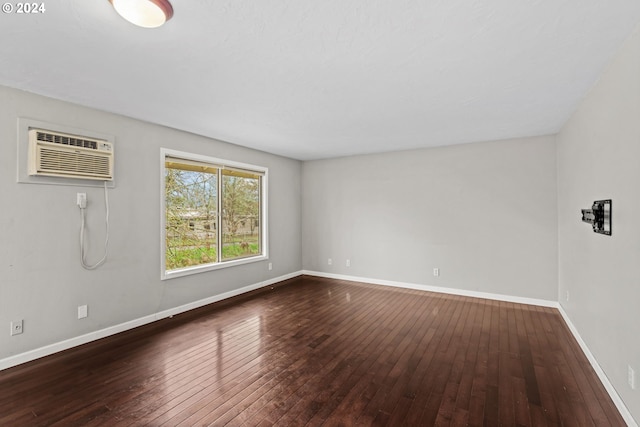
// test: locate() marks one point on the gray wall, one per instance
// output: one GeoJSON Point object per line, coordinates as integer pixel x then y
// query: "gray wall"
{"type": "Point", "coordinates": [598, 158]}
{"type": "Point", "coordinates": [41, 280]}
{"type": "Point", "coordinates": [485, 214]}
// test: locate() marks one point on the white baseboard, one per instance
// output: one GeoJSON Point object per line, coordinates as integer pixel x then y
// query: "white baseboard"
{"type": "Point", "coordinates": [617, 400]}
{"type": "Point", "coordinates": [112, 330]}
{"type": "Point", "coordinates": [440, 290]}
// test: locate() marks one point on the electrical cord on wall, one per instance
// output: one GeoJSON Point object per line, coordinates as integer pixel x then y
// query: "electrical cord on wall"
{"type": "Point", "coordinates": [106, 240]}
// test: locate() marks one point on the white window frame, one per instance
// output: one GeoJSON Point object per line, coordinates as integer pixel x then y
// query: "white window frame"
{"type": "Point", "coordinates": [166, 152]}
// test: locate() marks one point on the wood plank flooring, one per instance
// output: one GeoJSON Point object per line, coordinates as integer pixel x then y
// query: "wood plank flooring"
{"type": "Point", "coordinates": [314, 352]}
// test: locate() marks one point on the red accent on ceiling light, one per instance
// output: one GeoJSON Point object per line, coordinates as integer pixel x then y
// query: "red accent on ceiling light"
{"type": "Point", "coordinates": [165, 6]}
{"type": "Point", "coordinates": [144, 13]}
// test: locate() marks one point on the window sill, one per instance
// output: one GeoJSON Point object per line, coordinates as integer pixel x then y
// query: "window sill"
{"type": "Point", "coordinates": [210, 267]}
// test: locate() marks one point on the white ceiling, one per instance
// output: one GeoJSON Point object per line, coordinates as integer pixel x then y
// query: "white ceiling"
{"type": "Point", "coordinates": [317, 79]}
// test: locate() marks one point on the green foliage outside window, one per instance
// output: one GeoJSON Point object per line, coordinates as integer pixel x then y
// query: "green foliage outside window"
{"type": "Point", "coordinates": [209, 208]}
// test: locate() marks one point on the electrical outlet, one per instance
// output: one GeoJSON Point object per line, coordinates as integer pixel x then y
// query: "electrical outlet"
{"type": "Point", "coordinates": [348, 263]}
{"type": "Point", "coordinates": [82, 311]}
{"type": "Point", "coordinates": [81, 200]}
{"type": "Point", "coordinates": [631, 379]}
{"type": "Point", "coordinates": [17, 327]}
{"type": "Point", "coordinates": [567, 295]}
{"type": "Point", "coordinates": [270, 266]}
{"type": "Point", "coordinates": [436, 272]}
{"type": "Point", "coordinates": [329, 261]}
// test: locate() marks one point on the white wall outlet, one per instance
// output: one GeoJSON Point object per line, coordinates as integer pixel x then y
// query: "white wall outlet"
{"type": "Point", "coordinates": [631, 377]}
{"type": "Point", "coordinates": [270, 266]}
{"type": "Point", "coordinates": [82, 311]}
{"type": "Point", "coordinates": [348, 263]}
{"type": "Point", "coordinates": [329, 261]}
{"type": "Point", "coordinates": [81, 200]}
{"type": "Point", "coordinates": [436, 272]}
{"type": "Point", "coordinates": [567, 296]}
{"type": "Point", "coordinates": [17, 327]}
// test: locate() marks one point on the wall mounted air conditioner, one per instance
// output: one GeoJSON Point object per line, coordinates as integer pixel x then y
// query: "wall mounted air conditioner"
{"type": "Point", "coordinates": [69, 156]}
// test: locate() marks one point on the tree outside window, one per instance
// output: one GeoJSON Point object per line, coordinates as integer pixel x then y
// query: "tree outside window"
{"type": "Point", "coordinates": [213, 213]}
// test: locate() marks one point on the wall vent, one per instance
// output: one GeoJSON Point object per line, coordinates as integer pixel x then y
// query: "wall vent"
{"type": "Point", "coordinates": [69, 156]}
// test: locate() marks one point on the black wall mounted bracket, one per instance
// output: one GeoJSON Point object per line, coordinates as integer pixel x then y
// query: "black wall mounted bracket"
{"type": "Point", "coordinates": [599, 216]}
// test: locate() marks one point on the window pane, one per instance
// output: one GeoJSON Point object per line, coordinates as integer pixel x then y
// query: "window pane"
{"type": "Point", "coordinates": [214, 212]}
{"type": "Point", "coordinates": [240, 215]}
{"type": "Point", "coordinates": [191, 215]}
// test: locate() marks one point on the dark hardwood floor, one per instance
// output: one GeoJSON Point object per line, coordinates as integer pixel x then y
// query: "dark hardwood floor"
{"type": "Point", "coordinates": [321, 352]}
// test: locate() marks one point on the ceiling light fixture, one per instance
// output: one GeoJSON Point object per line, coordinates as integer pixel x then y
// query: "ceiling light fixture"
{"type": "Point", "coordinates": [144, 13]}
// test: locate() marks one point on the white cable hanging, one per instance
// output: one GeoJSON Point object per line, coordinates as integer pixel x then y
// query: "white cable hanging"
{"type": "Point", "coordinates": [106, 240]}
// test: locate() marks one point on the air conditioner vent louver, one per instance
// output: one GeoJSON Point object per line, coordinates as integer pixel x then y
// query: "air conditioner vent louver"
{"type": "Point", "coordinates": [70, 156]}
{"type": "Point", "coordinates": [66, 140]}
{"type": "Point", "coordinates": [79, 163]}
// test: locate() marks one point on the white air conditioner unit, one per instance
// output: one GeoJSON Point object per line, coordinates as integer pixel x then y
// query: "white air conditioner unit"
{"type": "Point", "coordinates": [69, 156]}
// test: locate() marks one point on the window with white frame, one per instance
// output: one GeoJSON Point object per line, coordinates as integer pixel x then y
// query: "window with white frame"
{"type": "Point", "coordinates": [214, 213]}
